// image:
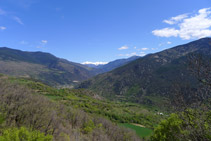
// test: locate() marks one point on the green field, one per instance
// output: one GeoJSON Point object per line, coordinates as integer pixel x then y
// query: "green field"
{"type": "Point", "coordinates": [141, 131]}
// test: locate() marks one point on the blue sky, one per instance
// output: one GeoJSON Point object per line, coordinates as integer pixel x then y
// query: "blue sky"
{"type": "Point", "coordinates": [102, 30]}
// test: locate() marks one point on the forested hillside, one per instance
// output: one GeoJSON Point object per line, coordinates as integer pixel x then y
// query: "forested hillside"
{"type": "Point", "coordinates": [42, 66]}
{"type": "Point", "coordinates": [150, 79]}
{"type": "Point", "coordinates": [28, 107]}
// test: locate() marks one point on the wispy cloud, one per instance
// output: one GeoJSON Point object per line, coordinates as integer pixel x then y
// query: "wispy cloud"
{"type": "Point", "coordinates": [144, 48]}
{"type": "Point", "coordinates": [188, 26]}
{"type": "Point", "coordinates": [2, 12]}
{"type": "Point", "coordinates": [174, 20]}
{"type": "Point", "coordinates": [128, 54]}
{"type": "Point", "coordinates": [123, 48]}
{"type": "Point", "coordinates": [95, 63]}
{"type": "Point", "coordinates": [142, 54]}
{"type": "Point", "coordinates": [11, 16]}
{"type": "Point", "coordinates": [42, 44]}
{"type": "Point", "coordinates": [165, 43]}
{"type": "Point", "coordinates": [169, 42]}
{"type": "Point", "coordinates": [44, 41]}
{"type": "Point", "coordinates": [133, 54]}
{"type": "Point", "coordinates": [18, 20]}
{"type": "Point", "coordinates": [2, 28]}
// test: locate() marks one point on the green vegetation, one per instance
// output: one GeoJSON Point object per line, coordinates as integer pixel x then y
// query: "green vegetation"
{"type": "Point", "coordinates": [168, 129]}
{"type": "Point", "coordinates": [150, 77]}
{"type": "Point", "coordinates": [22, 134]}
{"type": "Point", "coordinates": [141, 131]}
{"type": "Point", "coordinates": [119, 112]}
{"type": "Point", "coordinates": [30, 109]}
{"type": "Point", "coordinates": [25, 103]}
{"type": "Point", "coordinates": [44, 67]}
{"type": "Point", "coordinates": [190, 125]}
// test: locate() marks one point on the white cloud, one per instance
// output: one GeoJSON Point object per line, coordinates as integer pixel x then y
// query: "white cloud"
{"type": "Point", "coordinates": [144, 48]}
{"type": "Point", "coordinates": [129, 54]}
{"type": "Point", "coordinates": [123, 48]}
{"type": "Point", "coordinates": [189, 27]}
{"type": "Point", "coordinates": [133, 54]}
{"type": "Point", "coordinates": [18, 20]}
{"type": "Point", "coordinates": [44, 42]}
{"type": "Point", "coordinates": [166, 32]}
{"type": "Point", "coordinates": [95, 63]}
{"type": "Point", "coordinates": [142, 54]}
{"type": "Point", "coordinates": [174, 20]}
{"type": "Point", "coordinates": [164, 43]}
{"type": "Point", "coordinates": [169, 42]}
{"type": "Point", "coordinates": [135, 47]}
{"type": "Point", "coordinates": [2, 28]}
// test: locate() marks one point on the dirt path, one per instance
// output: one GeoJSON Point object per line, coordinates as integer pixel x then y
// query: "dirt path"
{"type": "Point", "coordinates": [138, 125]}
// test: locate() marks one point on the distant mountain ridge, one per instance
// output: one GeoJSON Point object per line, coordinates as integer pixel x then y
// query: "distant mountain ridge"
{"type": "Point", "coordinates": [48, 68]}
{"type": "Point", "coordinates": [152, 75]}
{"type": "Point", "coordinates": [42, 66]}
{"type": "Point", "coordinates": [112, 65]}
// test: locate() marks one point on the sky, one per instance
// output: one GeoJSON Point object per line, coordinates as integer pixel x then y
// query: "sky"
{"type": "Point", "coordinates": [100, 31]}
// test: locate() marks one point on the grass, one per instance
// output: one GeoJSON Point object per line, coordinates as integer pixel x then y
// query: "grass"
{"type": "Point", "coordinates": [140, 131]}
{"type": "Point", "coordinates": [118, 112]}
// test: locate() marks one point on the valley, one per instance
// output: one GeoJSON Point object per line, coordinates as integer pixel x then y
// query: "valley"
{"type": "Point", "coordinates": [105, 70]}
{"type": "Point", "coordinates": [139, 100]}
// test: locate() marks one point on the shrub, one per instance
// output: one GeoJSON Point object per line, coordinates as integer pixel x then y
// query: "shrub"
{"type": "Point", "coordinates": [22, 134]}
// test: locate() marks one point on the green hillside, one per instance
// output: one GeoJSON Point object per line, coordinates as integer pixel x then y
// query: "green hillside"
{"type": "Point", "coordinates": [28, 107]}
{"type": "Point", "coordinates": [149, 80]}
{"type": "Point", "coordinates": [42, 66]}
{"type": "Point", "coordinates": [90, 102]}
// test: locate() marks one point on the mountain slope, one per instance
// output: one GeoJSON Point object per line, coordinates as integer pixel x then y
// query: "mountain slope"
{"type": "Point", "coordinates": [98, 69]}
{"type": "Point", "coordinates": [42, 66]}
{"type": "Point", "coordinates": [152, 75]}
{"type": "Point", "coordinates": [116, 63]}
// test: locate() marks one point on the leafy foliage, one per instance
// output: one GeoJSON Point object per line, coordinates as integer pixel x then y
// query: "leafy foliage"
{"type": "Point", "coordinates": [90, 102]}
{"type": "Point", "coordinates": [21, 106]}
{"type": "Point", "coordinates": [22, 134]}
{"type": "Point", "coordinates": [168, 129]}
{"type": "Point", "coordinates": [188, 126]}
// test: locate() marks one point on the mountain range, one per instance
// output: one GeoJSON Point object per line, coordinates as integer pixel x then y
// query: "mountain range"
{"type": "Point", "coordinates": [112, 65]}
{"type": "Point", "coordinates": [135, 79]}
{"type": "Point", "coordinates": [150, 76]}
{"type": "Point", "coordinates": [42, 66]}
{"type": "Point", "coordinates": [48, 68]}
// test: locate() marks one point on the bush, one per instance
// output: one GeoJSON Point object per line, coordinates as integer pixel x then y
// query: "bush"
{"type": "Point", "coordinates": [22, 134]}
{"type": "Point", "coordinates": [168, 129]}
{"type": "Point", "coordinates": [188, 125]}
